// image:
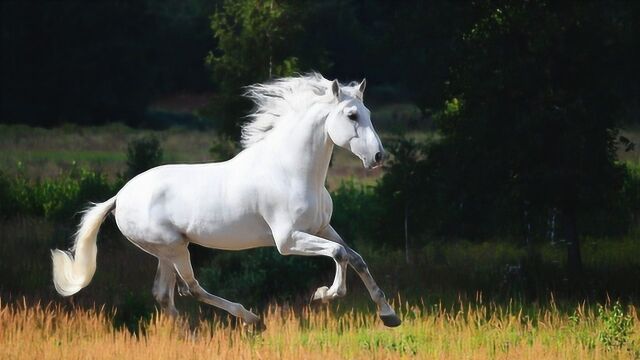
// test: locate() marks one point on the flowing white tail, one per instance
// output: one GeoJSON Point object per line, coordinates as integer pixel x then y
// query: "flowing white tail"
{"type": "Point", "coordinates": [73, 272]}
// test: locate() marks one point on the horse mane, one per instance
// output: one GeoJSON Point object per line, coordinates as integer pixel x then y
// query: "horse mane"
{"type": "Point", "coordinates": [275, 99]}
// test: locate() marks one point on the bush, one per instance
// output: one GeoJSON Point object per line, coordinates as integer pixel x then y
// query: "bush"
{"type": "Point", "coordinates": [617, 326]}
{"type": "Point", "coordinates": [405, 192]}
{"type": "Point", "coordinates": [143, 154]}
{"type": "Point", "coordinates": [8, 204]}
{"type": "Point", "coordinates": [356, 211]}
{"type": "Point", "coordinates": [56, 198]}
{"type": "Point", "coordinates": [259, 275]}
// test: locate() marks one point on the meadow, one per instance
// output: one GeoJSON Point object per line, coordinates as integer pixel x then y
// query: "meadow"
{"type": "Point", "coordinates": [459, 300]}
{"type": "Point", "coordinates": [471, 330]}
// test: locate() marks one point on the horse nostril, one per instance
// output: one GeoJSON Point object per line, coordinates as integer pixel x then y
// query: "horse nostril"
{"type": "Point", "coordinates": [378, 157]}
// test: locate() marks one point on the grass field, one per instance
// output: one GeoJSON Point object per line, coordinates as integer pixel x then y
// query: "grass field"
{"type": "Point", "coordinates": [39, 152]}
{"type": "Point", "coordinates": [437, 323]}
{"type": "Point", "coordinates": [464, 331]}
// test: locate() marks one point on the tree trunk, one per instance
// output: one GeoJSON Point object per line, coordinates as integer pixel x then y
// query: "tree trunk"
{"type": "Point", "coordinates": [574, 257]}
{"type": "Point", "coordinates": [531, 263]}
{"type": "Point", "coordinates": [406, 233]}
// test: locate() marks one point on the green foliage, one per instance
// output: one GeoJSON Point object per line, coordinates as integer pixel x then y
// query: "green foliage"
{"type": "Point", "coordinates": [528, 130]}
{"type": "Point", "coordinates": [419, 191]}
{"type": "Point", "coordinates": [252, 42]}
{"type": "Point", "coordinates": [405, 344]}
{"type": "Point", "coordinates": [259, 275]}
{"type": "Point", "coordinates": [617, 326]}
{"type": "Point", "coordinates": [143, 154]}
{"type": "Point", "coordinates": [452, 107]}
{"type": "Point", "coordinates": [8, 203]}
{"type": "Point", "coordinates": [253, 45]}
{"type": "Point", "coordinates": [69, 194]}
{"type": "Point", "coordinates": [423, 46]}
{"type": "Point", "coordinates": [55, 199]}
{"type": "Point", "coordinates": [537, 125]}
{"type": "Point", "coordinates": [134, 310]}
{"type": "Point", "coordinates": [356, 211]}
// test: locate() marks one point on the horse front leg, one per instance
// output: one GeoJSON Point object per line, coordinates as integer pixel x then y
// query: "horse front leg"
{"type": "Point", "coordinates": [291, 242]}
{"type": "Point", "coordinates": [339, 286]}
{"type": "Point", "coordinates": [386, 312]}
{"type": "Point", "coordinates": [301, 243]}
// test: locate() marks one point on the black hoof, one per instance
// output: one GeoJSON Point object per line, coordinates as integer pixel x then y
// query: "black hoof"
{"type": "Point", "coordinates": [390, 320]}
{"type": "Point", "coordinates": [261, 327]}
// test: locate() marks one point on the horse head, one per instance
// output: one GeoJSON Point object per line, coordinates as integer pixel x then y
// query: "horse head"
{"type": "Point", "coordinates": [349, 124]}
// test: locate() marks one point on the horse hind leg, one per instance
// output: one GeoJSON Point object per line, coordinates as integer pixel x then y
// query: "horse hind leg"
{"type": "Point", "coordinates": [163, 287]}
{"type": "Point", "coordinates": [182, 262]}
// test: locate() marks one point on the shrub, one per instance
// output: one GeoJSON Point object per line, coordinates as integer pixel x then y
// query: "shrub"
{"type": "Point", "coordinates": [8, 204]}
{"type": "Point", "coordinates": [61, 198]}
{"type": "Point", "coordinates": [405, 192]}
{"type": "Point", "coordinates": [143, 154]}
{"type": "Point", "coordinates": [617, 326]}
{"type": "Point", "coordinates": [56, 198]}
{"type": "Point", "coordinates": [259, 275]}
{"type": "Point", "coordinates": [356, 211]}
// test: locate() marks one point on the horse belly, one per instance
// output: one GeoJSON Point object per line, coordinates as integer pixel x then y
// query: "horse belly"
{"type": "Point", "coordinates": [244, 233]}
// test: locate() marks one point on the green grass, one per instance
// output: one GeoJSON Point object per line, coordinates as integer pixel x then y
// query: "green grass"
{"type": "Point", "coordinates": [39, 152]}
{"type": "Point", "coordinates": [42, 153]}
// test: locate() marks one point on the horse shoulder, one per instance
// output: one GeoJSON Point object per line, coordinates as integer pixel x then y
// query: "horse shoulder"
{"type": "Point", "coordinates": [327, 204]}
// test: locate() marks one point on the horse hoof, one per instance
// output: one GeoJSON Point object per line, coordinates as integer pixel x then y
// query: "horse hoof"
{"type": "Point", "coordinates": [391, 320]}
{"type": "Point", "coordinates": [320, 294]}
{"type": "Point", "coordinates": [256, 327]}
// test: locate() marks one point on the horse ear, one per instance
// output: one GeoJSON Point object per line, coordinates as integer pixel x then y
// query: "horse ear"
{"type": "Point", "coordinates": [335, 88]}
{"type": "Point", "coordinates": [361, 88]}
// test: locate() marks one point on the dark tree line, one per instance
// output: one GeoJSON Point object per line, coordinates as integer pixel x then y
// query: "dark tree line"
{"type": "Point", "coordinates": [94, 62]}
{"type": "Point", "coordinates": [98, 61]}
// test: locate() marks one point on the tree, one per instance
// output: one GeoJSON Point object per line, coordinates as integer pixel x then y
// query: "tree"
{"type": "Point", "coordinates": [143, 154]}
{"type": "Point", "coordinates": [541, 86]}
{"type": "Point", "coordinates": [253, 45]}
{"type": "Point", "coordinates": [423, 41]}
{"type": "Point", "coordinates": [98, 61]}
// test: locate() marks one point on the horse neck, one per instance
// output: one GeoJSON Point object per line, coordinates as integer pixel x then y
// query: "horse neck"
{"type": "Point", "coordinates": [303, 148]}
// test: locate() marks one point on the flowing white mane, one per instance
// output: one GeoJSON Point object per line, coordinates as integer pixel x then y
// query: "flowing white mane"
{"type": "Point", "coordinates": [275, 99]}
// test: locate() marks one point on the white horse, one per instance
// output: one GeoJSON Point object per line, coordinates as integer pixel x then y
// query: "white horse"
{"type": "Point", "coordinates": [270, 194]}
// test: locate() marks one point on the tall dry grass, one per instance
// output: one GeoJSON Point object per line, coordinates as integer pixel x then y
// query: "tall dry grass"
{"type": "Point", "coordinates": [466, 331]}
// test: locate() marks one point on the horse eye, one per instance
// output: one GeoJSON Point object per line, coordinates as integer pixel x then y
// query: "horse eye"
{"type": "Point", "coordinates": [353, 116]}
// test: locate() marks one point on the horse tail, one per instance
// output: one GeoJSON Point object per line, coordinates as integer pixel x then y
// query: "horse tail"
{"type": "Point", "coordinates": [71, 273]}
